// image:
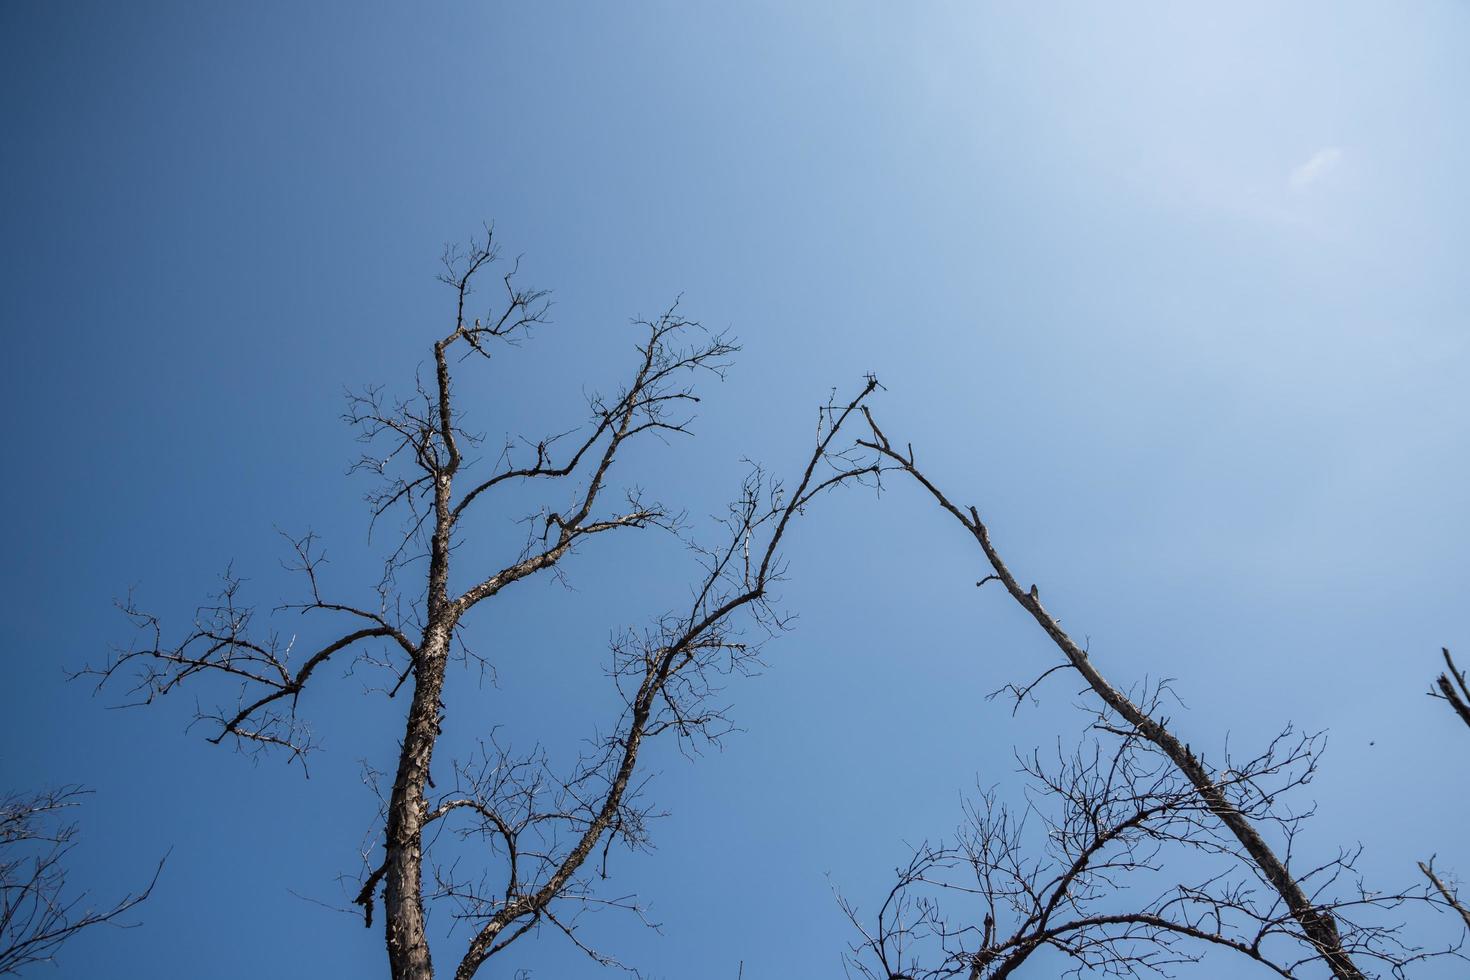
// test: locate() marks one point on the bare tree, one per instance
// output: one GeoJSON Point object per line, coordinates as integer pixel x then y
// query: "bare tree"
{"type": "Point", "coordinates": [541, 827]}
{"type": "Point", "coordinates": [1093, 867]}
{"type": "Point", "coordinates": [38, 912]}
{"type": "Point", "coordinates": [1319, 927]}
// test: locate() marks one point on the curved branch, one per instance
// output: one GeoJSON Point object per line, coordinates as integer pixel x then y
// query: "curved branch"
{"type": "Point", "coordinates": [1319, 928]}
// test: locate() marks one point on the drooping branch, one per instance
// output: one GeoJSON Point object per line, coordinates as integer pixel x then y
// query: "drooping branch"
{"type": "Point", "coordinates": [1318, 927]}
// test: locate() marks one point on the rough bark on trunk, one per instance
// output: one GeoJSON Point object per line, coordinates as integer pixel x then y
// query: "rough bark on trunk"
{"type": "Point", "coordinates": [408, 944]}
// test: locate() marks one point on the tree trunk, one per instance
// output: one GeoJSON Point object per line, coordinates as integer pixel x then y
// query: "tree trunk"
{"type": "Point", "coordinates": [408, 945]}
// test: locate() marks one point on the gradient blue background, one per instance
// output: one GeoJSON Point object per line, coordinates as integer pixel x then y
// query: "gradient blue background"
{"type": "Point", "coordinates": [1178, 298]}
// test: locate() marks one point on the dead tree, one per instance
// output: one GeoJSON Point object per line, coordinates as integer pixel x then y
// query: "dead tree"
{"type": "Point", "coordinates": [539, 828]}
{"type": "Point", "coordinates": [1319, 928]}
{"type": "Point", "coordinates": [38, 912]}
{"type": "Point", "coordinates": [1091, 870]}
{"type": "Point", "coordinates": [1451, 687]}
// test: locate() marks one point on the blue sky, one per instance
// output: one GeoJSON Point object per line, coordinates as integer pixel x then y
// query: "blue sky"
{"type": "Point", "coordinates": [1176, 298]}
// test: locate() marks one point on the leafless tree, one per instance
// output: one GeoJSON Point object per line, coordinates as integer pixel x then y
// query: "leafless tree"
{"type": "Point", "coordinates": [1091, 867]}
{"type": "Point", "coordinates": [1316, 920]}
{"type": "Point", "coordinates": [38, 912]}
{"type": "Point", "coordinates": [542, 831]}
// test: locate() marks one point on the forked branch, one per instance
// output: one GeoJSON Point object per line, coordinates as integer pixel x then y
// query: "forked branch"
{"type": "Point", "coordinates": [666, 673]}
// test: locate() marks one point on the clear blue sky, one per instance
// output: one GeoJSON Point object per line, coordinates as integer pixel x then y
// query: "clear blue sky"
{"type": "Point", "coordinates": [1178, 299]}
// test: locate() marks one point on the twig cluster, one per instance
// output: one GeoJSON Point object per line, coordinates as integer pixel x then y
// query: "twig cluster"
{"type": "Point", "coordinates": [38, 912]}
{"type": "Point", "coordinates": [1093, 866]}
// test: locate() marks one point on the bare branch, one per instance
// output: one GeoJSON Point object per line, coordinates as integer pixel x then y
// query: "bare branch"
{"type": "Point", "coordinates": [38, 912]}
{"type": "Point", "coordinates": [669, 666]}
{"type": "Point", "coordinates": [1450, 895]}
{"type": "Point", "coordinates": [1319, 929]}
{"type": "Point", "coordinates": [1082, 871]}
{"type": "Point", "coordinates": [543, 838]}
{"type": "Point", "coordinates": [1453, 688]}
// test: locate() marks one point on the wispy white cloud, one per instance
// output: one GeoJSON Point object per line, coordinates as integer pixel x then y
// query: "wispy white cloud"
{"type": "Point", "coordinates": [1322, 163]}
